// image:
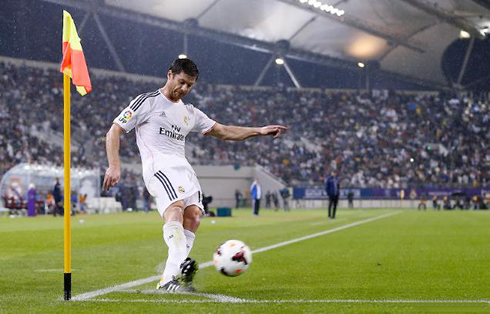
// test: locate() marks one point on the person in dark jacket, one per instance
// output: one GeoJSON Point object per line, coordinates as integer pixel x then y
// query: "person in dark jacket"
{"type": "Point", "coordinates": [58, 199]}
{"type": "Point", "coordinates": [332, 187]}
{"type": "Point", "coordinates": [350, 198]}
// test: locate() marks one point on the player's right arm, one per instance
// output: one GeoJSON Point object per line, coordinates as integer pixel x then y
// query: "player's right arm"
{"type": "Point", "coordinates": [240, 133]}
{"type": "Point", "coordinates": [127, 120]}
{"type": "Point", "coordinates": [112, 143]}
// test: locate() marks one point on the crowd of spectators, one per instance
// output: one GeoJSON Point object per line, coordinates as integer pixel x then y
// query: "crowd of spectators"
{"type": "Point", "coordinates": [379, 139]}
{"type": "Point", "coordinates": [374, 140]}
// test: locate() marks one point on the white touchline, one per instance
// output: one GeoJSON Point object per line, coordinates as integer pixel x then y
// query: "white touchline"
{"type": "Point", "coordinates": [213, 298]}
{"type": "Point", "coordinates": [217, 297]}
{"type": "Point", "coordinates": [139, 282]}
{"type": "Point", "coordinates": [217, 300]}
{"type": "Point", "coordinates": [314, 235]}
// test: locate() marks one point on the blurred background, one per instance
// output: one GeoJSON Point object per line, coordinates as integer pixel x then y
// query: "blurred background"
{"type": "Point", "coordinates": [392, 95]}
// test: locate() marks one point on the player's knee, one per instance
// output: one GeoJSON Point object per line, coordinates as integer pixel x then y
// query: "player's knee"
{"type": "Point", "coordinates": [175, 212]}
{"type": "Point", "coordinates": [194, 214]}
{"type": "Point", "coordinates": [192, 217]}
{"type": "Point", "coordinates": [192, 224]}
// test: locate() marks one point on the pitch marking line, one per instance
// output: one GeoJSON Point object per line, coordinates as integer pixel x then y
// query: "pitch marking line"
{"type": "Point", "coordinates": [228, 299]}
{"type": "Point", "coordinates": [215, 297]}
{"type": "Point", "coordinates": [139, 282]}
{"type": "Point", "coordinates": [225, 299]}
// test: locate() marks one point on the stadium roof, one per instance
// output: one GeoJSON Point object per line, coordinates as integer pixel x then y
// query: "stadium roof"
{"type": "Point", "coordinates": [406, 38]}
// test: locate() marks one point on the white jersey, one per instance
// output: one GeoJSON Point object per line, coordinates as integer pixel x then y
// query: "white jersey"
{"type": "Point", "coordinates": [161, 128]}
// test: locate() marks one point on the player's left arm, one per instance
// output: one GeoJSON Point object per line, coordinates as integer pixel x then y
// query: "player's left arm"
{"type": "Point", "coordinates": [240, 133]}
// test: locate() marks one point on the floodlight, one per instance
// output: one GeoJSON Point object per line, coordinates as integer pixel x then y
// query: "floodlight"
{"type": "Point", "coordinates": [464, 34]}
{"type": "Point", "coordinates": [325, 7]}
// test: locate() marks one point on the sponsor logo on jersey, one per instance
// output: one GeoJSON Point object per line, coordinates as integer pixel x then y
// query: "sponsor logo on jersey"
{"type": "Point", "coordinates": [126, 116]}
{"type": "Point", "coordinates": [186, 120]}
{"type": "Point", "coordinates": [181, 189]}
{"type": "Point", "coordinates": [173, 133]}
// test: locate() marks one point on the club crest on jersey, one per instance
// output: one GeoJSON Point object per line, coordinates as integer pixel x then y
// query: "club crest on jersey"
{"type": "Point", "coordinates": [186, 120]}
{"type": "Point", "coordinates": [181, 189]}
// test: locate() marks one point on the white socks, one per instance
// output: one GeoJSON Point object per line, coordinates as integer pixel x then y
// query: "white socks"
{"type": "Point", "coordinates": [177, 240]}
{"type": "Point", "coordinates": [190, 240]}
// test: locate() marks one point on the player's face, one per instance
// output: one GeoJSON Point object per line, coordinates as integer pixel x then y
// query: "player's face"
{"type": "Point", "coordinates": [181, 84]}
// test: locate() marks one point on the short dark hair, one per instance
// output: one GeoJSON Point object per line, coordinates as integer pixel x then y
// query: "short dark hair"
{"type": "Point", "coordinates": [186, 65]}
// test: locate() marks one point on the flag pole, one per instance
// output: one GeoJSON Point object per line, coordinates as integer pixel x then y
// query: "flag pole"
{"type": "Point", "coordinates": [75, 68]}
{"type": "Point", "coordinates": [67, 202]}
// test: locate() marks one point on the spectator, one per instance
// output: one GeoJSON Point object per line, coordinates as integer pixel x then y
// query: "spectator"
{"type": "Point", "coordinates": [206, 200]}
{"type": "Point", "coordinates": [238, 198]}
{"type": "Point", "coordinates": [146, 200]}
{"type": "Point", "coordinates": [350, 198]}
{"type": "Point", "coordinates": [422, 204]}
{"type": "Point", "coordinates": [50, 203]}
{"type": "Point", "coordinates": [58, 199]}
{"type": "Point", "coordinates": [285, 194]}
{"type": "Point", "coordinates": [83, 203]}
{"type": "Point", "coordinates": [268, 199]}
{"type": "Point", "coordinates": [435, 203]}
{"type": "Point", "coordinates": [31, 200]}
{"type": "Point", "coordinates": [447, 203]}
{"type": "Point", "coordinates": [275, 200]}
{"type": "Point", "coordinates": [74, 202]}
{"type": "Point", "coordinates": [255, 194]}
{"type": "Point", "coordinates": [332, 186]}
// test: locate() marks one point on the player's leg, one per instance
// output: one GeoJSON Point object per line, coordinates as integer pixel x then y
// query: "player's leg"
{"type": "Point", "coordinates": [172, 211]}
{"type": "Point", "coordinates": [174, 236]}
{"type": "Point", "coordinates": [192, 220]}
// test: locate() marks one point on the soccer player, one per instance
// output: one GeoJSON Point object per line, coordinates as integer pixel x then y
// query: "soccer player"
{"type": "Point", "coordinates": [162, 122]}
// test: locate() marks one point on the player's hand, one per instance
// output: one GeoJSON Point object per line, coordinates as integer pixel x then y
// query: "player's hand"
{"type": "Point", "coordinates": [273, 130]}
{"type": "Point", "coordinates": [112, 176]}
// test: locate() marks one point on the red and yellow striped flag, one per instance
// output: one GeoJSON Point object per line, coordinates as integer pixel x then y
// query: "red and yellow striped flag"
{"type": "Point", "coordinates": [73, 63]}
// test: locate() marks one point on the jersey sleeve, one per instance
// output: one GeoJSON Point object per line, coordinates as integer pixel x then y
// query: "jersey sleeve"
{"type": "Point", "coordinates": [132, 115]}
{"type": "Point", "coordinates": [203, 122]}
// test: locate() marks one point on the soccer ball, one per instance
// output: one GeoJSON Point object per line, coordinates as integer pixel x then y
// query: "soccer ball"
{"type": "Point", "coordinates": [232, 258]}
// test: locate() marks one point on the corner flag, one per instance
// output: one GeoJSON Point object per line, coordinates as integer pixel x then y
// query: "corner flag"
{"type": "Point", "coordinates": [73, 66]}
{"type": "Point", "coordinates": [73, 63]}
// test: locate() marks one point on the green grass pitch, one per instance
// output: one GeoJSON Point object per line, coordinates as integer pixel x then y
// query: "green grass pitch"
{"type": "Point", "coordinates": [398, 263]}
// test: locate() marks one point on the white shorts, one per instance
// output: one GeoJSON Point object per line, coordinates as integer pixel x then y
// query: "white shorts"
{"type": "Point", "coordinates": [173, 184]}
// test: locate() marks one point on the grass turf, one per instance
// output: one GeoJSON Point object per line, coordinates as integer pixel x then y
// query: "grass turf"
{"type": "Point", "coordinates": [413, 255]}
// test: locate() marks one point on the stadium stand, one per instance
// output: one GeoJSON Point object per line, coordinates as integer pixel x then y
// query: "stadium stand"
{"type": "Point", "coordinates": [383, 139]}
